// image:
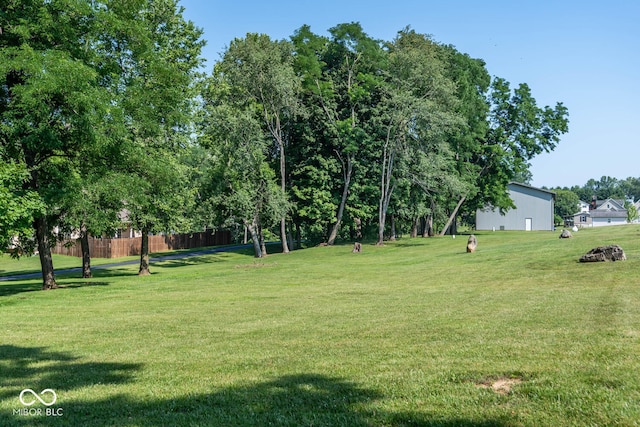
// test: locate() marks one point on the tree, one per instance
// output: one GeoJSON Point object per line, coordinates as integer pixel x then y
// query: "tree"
{"type": "Point", "coordinates": [18, 208]}
{"type": "Point", "coordinates": [261, 71]}
{"type": "Point", "coordinates": [341, 76]}
{"type": "Point", "coordinates": [161, 199]}
{"type": "Point", "coordinates": [240, 184]}
{"type": "Point", "coordinates": [415, 114]}
{"type": "Point", "coordinates": [632, 211]}
{"type": "Point", "coordinates": [50, 101]}
{"type": "Point", "coordinates": [631, 188]}
{"type": "Point", "coordinates": [604, 188]}
{"type": "Point", "coordinates": [154, 58]}
{"type": "Point", "coordinates": [566, 203]}
{"type": "Point", "coordinates": [517, 131]}
{"type": "Point", "coordinates": [472, 82]}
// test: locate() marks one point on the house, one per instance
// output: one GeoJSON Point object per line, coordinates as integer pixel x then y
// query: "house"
{"type": "Point", "coordinates": [601, 213]}
{"type": "Point", "coordinates": [534, 210]}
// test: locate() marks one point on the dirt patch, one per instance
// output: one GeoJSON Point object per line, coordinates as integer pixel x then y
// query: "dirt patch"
{"type": "Point", "coordinates": [502, 385]}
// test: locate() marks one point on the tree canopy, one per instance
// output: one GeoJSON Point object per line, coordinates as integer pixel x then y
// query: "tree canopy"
{"type": "Point", "coordinates": [105, 114]}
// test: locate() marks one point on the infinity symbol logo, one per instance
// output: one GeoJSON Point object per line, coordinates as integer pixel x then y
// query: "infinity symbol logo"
{"type": "Point", "coordinates": [30, 402]}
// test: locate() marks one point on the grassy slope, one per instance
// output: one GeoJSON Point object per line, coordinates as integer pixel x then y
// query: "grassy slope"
{"type": "Point", "coordinates": [411, 333]}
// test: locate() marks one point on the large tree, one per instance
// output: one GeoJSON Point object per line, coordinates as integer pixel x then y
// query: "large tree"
{"type": "Point", "coordinates": [239, 185]}
{"type": "Point", "coordinates": [18, 208]}
{"type": "Point", "coordinates": [517, 130]}
{"type": "Point", "coordinates": [342, 77]}
{"type": "Point", "coordinates": [415, 114]}
{"type": "Point", "coordinates": [51, 101]}
{"type": "Point", "coordinates": [154, 58]}
{"type": "Point", "coordinates": [260, 70]}
{"type": "Point", "coordinates": [566, 203]}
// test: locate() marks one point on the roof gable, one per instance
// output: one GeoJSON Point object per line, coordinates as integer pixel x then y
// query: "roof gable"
{"type": "Point", "coordinates": [610, 205]}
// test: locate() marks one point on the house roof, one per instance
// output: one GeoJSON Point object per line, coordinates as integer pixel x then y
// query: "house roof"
{"type": "Point", "coordinates": [616, 204]}
{"type": "Point", "coordinates": [607, 214]}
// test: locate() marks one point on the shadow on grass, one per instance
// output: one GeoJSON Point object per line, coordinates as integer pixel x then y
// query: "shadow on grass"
{"type": "Point", "coordinates": [292, 400]}
{"type": "Point", "coordinates": [38, 368]}
{"type": "Point", "coordinates": [19, 287]}
{"type": "Point", "coordinates": [192, 260]}
{"type": "Point", "coordinates": [13, 288]}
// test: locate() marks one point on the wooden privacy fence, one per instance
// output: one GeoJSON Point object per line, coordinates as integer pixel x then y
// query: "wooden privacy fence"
{"type": "Point", "coordinates": [115, 248]}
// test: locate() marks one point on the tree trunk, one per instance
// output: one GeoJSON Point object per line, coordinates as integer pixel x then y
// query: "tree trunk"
{"type": "Point", "coordinates": [392, 237]}
{"type": "Point", "coordinates": [428, 231]}
{"type": "Point", "coordinates": [263, 246]}
{"type": "Point", "coordinates": [298, 235]}
{"type": "Point", "coordinates": [44, 251]}
{"type": "Point", "coordinates": [453, 216]}
{"type": "Point", "coordinates": [343, 201]}
{"type": "Point", "coordinates": [428, 228]}
{"type": "Point", "coordinates": [144, 254]}
{"type": "Point", "coordinates": [381, 225]}
{"type": "Point", "coordinates": [283, 236]}
{"type": "Point", "coordinates": [292, 243]}
{"type": "Point", "coordinates": [86, 256]}
{"type": "Point", "coordinates": [414, 227]}
{"type": "Point", "coordinates": [254, 238]}
{"type": "Point", "coordinates": [283, 220]}
{"type": "Point", "coordinates": [382, 211]}
{"type": "Point", "coordinates": [386, 189]}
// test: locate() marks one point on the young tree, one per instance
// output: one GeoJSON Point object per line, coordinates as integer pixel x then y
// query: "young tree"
{"type": "Point", "coordinates": [97, 211]}
{"type": "Point", "coordinates": [161, 200]}
{"type": "Point", "coordinates": [632, 211]}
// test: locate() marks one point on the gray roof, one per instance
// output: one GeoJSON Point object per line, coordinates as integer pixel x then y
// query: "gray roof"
{"type": "Point", "coordinates": [608, 214]}
{"type": "Point", "coordinates": [618, 202]}
{"type": "Point", "coordinates": [518, 184]}
{"type": "Point", "coordinates": [602, 214]}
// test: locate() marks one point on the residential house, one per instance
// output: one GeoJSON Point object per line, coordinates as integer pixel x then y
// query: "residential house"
{"type": "Point", "coordinates": [602, 213]}
{"type": "Point", "coordinates": [534, 210]}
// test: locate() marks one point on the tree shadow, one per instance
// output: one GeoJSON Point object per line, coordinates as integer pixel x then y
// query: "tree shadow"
{"type": "Point", "coordinates": [175, 262]}
{"type": "Point", "coordinates": [291, 400]}
{"type": "Point", "coordinates": [38, 368]}
{"type": "Point", "coordinates": [22, 286]}
{"type": "Point", "coordinates": [9, 288]}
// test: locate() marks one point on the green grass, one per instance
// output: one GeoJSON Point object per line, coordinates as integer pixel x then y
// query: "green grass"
{"type": "Point", "coordinates": [412, 333]}
{"type": "Point", "coordinates": [31, 264]}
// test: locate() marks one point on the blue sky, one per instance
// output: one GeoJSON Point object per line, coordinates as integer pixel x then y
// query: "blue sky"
{"type": "Point", "coordinates": [585, 54]}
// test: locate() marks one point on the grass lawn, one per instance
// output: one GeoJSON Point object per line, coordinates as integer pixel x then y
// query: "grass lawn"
{"type": "Point", "coordinates": [417, 332]}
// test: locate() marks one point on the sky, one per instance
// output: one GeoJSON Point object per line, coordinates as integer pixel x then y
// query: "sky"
{"type": "Point", "coordinates": [583, 53]}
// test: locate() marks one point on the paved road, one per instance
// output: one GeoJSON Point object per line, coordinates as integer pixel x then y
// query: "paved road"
{"type": "Point", "coordinates": [181, 255]}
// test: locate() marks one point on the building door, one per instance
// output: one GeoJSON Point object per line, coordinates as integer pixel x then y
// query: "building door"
{"type": "Point", "coordinates": [528, 224]}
